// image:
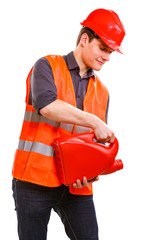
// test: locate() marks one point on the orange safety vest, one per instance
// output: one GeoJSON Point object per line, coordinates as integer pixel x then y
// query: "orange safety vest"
{"type": "Point", "coordinates": [34, 159]}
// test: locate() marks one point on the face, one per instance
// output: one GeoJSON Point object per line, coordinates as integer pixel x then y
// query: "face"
{"type": "Point", "coordinates": [95, 53]}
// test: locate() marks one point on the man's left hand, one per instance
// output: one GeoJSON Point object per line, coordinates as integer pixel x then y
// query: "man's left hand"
{"type": "Point", "coordinates": [85, 183]}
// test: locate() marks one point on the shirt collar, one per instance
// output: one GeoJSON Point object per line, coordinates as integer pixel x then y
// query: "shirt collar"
{"type": "Point", "coordinates": [72, 64]}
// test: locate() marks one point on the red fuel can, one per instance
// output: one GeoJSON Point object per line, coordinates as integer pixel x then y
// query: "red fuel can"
{"type": "Point", "coordinates": [80, 155]}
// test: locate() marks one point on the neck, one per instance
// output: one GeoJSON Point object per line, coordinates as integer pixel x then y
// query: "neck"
{"type": "Point", "coordinates": [83, 68]}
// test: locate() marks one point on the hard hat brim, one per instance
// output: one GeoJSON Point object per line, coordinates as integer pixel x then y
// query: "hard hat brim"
{"type": "Point", "coordinates": [110, 43]}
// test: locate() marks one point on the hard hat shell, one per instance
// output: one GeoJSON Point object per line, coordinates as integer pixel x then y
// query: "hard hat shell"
{"type": "Point", "coordinates": [107, 25]}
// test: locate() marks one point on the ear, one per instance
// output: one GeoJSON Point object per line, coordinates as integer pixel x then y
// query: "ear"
{"type": "Point", "coordinates": [84, 39]}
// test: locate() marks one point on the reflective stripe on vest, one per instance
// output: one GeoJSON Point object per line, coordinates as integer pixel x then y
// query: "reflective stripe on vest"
{"type": "Point", "coordinates": [81, 129]}
{"type": "Point", "coordinates": [35, 117]}
{"type": "Point", "coordinates": [37, 147]}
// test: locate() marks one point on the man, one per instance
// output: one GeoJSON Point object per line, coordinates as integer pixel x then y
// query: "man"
{"type": "Point", "coordinates": [64, 96]}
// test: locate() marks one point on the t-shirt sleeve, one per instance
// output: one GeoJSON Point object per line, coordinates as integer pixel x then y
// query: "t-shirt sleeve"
{"type": "Point", "coordinates": [43, 88]}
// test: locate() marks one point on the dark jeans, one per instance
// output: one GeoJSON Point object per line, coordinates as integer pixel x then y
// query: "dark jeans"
{"type": "Point", "coordinates": [34, 204]}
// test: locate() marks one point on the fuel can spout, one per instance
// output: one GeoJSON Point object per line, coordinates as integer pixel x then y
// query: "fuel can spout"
{"type": "Point", "coordinates": [79, 155]}
{"type": "Point", "coordinates": [116, 166]}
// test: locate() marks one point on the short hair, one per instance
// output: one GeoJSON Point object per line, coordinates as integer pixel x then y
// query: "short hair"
{"type": "Point", "coordinates": [91, 34]}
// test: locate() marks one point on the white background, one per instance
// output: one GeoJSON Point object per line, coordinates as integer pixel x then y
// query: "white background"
{"type": "Point", "coordinates": [127, 202]}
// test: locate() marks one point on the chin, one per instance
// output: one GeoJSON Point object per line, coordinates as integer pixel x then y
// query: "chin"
{"type": "Point", "coordinates": [97, 68]}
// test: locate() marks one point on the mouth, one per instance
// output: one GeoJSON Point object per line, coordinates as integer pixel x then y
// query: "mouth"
{"type": "Point", "coordinates": [100, 62]}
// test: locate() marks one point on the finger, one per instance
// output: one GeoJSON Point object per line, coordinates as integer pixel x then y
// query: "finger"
{"type": "Point", "coordinates": [112, 139]}
{"type": "Point", "coordinates": [107, 140]}
{"type": "Point", "coordinates": [78, 184]}
{"type": "Point", "coordinates": [85, 182]}
{"type": "Point", "coordinates": [94, 180]}
{"type": "Point", "coordinates": [74, 185]}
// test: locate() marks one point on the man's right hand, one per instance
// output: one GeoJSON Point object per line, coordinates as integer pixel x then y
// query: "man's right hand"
{"type": "Point", "coordinates": [103, 133]}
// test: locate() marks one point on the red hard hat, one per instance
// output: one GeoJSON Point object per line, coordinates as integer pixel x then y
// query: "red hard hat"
{"type": "Point", "coordinates": [107, 25]}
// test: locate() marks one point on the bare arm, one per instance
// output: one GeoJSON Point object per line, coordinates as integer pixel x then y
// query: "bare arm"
{"type": "Point", "coordinates": [61, 111]}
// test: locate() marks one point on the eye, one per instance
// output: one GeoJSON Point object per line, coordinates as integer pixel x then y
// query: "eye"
{"type": "Point", "coordinates": [105, 49]}
{"type": "Point", "coordinates": [102, 48]}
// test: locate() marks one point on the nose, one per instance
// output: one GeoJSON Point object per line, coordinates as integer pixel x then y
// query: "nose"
{"type": "Point", "coordinates": [106, 56]}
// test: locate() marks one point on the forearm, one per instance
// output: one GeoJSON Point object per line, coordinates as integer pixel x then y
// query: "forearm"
{"type": "Point", "coordinates": [61, 111]}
